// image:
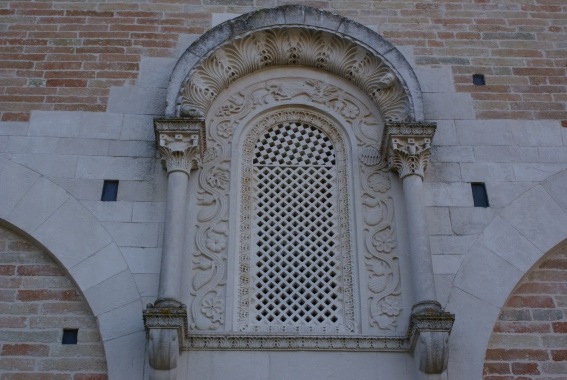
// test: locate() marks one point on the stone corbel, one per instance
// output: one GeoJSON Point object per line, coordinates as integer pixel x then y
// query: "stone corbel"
{"type": "Point", "coordinates": [166, 330]}
{"type": "Point", "coordinates": [428, 333]}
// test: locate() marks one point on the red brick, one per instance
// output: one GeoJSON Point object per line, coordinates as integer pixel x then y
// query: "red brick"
{"type": "Point", "coordinates": [531, 301]}
{"type": "Point", "coordinates": [559, 355]}
{"type": "Point", "coordinates": [66, 83]}
{"type": "Point", "coordinates": [496, 368]}
{"type": "Point", "coordinates": [39, 270]}
{"type": "Point", "coordinates": [7, 270]}
{"type": "Point", "coordinates": [516, 354]}
{"type": "Point", "coordinates": [15, 116]}
{"type": "Point", "coordinates": [522, 327]}
{"type": "Point", "coordinates": [90, 377]}
{"type": "Point", "coordinates": [24, 350]}
{"type": "Point", "coordinates": [43, 295]}
{"type": "Point", "coordinates": [525, 369]}
{"type": "Point", "coordinates": [559, 327]}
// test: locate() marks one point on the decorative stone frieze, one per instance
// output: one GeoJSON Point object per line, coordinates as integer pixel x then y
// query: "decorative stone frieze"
{"type": "Point", "coordinates": [407, 147]}
{"type": "Point", "coordinates": [180, 143]}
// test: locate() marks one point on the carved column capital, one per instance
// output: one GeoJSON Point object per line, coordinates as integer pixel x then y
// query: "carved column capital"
{"type": "Point", "coordinates": [406, 147]}
{"type": "Point", "coordinates": [180, 143]}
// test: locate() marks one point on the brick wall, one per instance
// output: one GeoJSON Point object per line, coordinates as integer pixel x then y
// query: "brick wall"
{"type": "Point", "coordinates": [37, 301]}
{"type": "Point", "coordinates": [529, 340]}
{"type": "Point", "coordinates": [65, 55]}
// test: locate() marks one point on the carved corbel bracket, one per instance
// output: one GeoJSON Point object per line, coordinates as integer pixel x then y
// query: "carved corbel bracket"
{"type": "Point", "coordinates": [181, 142]}
{"type": "Point", "coordinates": [406, 147]}
{"type": "Point", "coordinates": [166, 329]}
{"type": "Point", "coordinates": [428, 334]}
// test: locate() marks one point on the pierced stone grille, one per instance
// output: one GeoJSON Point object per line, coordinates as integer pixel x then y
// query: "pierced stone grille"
{"type": "Point", "coordinates": [296, 258]}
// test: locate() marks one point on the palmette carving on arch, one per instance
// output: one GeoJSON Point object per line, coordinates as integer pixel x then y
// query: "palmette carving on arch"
{"type": "Point", "coordinates": [318, 49]}
{"type": "Point", "coordinates": [382, 274]}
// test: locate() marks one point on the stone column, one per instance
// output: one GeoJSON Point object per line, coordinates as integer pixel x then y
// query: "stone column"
{"type": "Point", "coordinates": [406, 147]}
{"type": "Point", "coordinates": [180, 143]}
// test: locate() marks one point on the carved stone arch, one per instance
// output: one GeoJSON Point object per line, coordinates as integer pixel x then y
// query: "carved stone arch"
{"type": "Point", "coordinates": [514, 242]}
{"type": "Point", "coordinates": [57, 222]}
{"type": "Point", "coordinates": [294, 35]}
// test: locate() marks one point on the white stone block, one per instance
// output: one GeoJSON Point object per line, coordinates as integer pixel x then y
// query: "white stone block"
{"type": "Point", "coordinates": [446, 264]}
{"type": "Point", "coordinates": [470, 220]}
{"type": "Point", "coordinates": [38, 204]}
{"type": "Point", "coordinates": [484, 132]}
{"type": "Point", "coordinates": [447, 194]}
{"type": "Point", "coordinates": [435, 80]}
{"type": "Point", "coordinates": [99, 267]}
{"type": "Point", "coordinates": [82, 146]}
{"type": "Point", "coordinates": [452, 106]}
{"type": "Point", "coordinates": [134, 234]}
{"type": "Point", "coordinates": [16, 180]}
{"type": "Point", "coordinates": [537, 133]}
{"type": "Point", "coordinates": [120, 211]}
{"type": "Point", "coordinates": [137, 100]}
{"type": "Point", "coordinates": [82, 189]}
{"type": "Point", "coordinates": [538, 218]}
{"type": "Point", "coordinates": [443, 284]}
{"type": "Point", "coordinates": [25, 144]}
{"type": "Point", "coordinates": [143, 191]}
{"type": "Point", "coordinates": [503, 193]}
{"type": "Point", "coordinates": [125, 356]}
{"type": "Point", "coordinates": [101, 125]}
{"type": "Point", "coordinates": [466, 360]}
{"type": "Point", "coordinates": [452, 154]}
{"type": "Point", "coordinates": [438, 221]}
{"type": "Point", "coordinates": [147, 283]}
{"type": "Point", "coordinates": [505, 154]}
{"type": "Point", "coordinates": [553, 154]}
{"type": "Point", "coordinates": [155, 71]}
{"type": "Point", "coordinates": [219, 18]}
{"type": "Point", "coordinates": [443, 172]}
{"type": "Point", "coordinates": [49, 165]}
{"type": "Point", "coordinates": [537, 171]}
{"type": "Point", "coordinates": [237, 365]}
{"type": "Point", "coordinates": [113, 293]}
{"type": "Point", "coordinates": [138, 127]}
{"type": "Point", "coordinates": [556, 187]}
{"type": "Point", "coordinates": [13, 128]}
{"type": "Point", "coordinates": [451, 245]}
{"type": "Point", "coordinates": [143, 260]}
{"type": "Point", "coordinates": [485, 172]}
{"type": "Point", "coordinates": [183, 42]}
{"type": "Point", "coordinates": [501, 238]}
{"type": "Point", "coordinates": [487, 276]}
{"type": "Point", "coordinates": [55, 123]}
{"type": "Point", "coordinates": [149, 212]}
{"type": "Point", "coordinates": [123, 321]}
{"type": "Point", "coordinates": [122, 168]}
{"type": "Point", "coordinates": [445, 133]}
{"type": "Point", "coordinates": [121, 148]}
{"type": "Point", "coordinates": [83, 234]}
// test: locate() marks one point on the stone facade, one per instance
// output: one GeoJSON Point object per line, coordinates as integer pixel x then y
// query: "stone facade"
{"type": "Point", "coordinates": [82, 82]}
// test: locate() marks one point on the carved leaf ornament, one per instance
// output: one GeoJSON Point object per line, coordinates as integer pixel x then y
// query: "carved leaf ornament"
{"type": "Point", "coordinates": [284, 46]}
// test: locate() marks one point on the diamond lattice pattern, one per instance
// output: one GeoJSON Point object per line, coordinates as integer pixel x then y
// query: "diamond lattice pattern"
{"type": "Point", "coordinates": [296, 249]}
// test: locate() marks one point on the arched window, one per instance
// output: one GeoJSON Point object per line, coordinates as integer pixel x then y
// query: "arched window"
{"type": "Point", "coordinates": [296, 279]}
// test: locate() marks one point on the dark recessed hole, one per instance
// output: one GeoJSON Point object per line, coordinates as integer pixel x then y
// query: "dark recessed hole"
{"type": "Point", "coordinates": [70, 336]}
{"type": "Point", "coordinates": [109, 190]}
{"type": "Point", "coordinates": [478, 79]}
{"type": "Point", "coordinates": [480, 196]}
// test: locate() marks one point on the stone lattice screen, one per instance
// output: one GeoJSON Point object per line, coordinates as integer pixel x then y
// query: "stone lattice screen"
{"type": "Point", "coordinates": [38, 301]}
{"type": "Point", "coordinates": [529, 340]}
